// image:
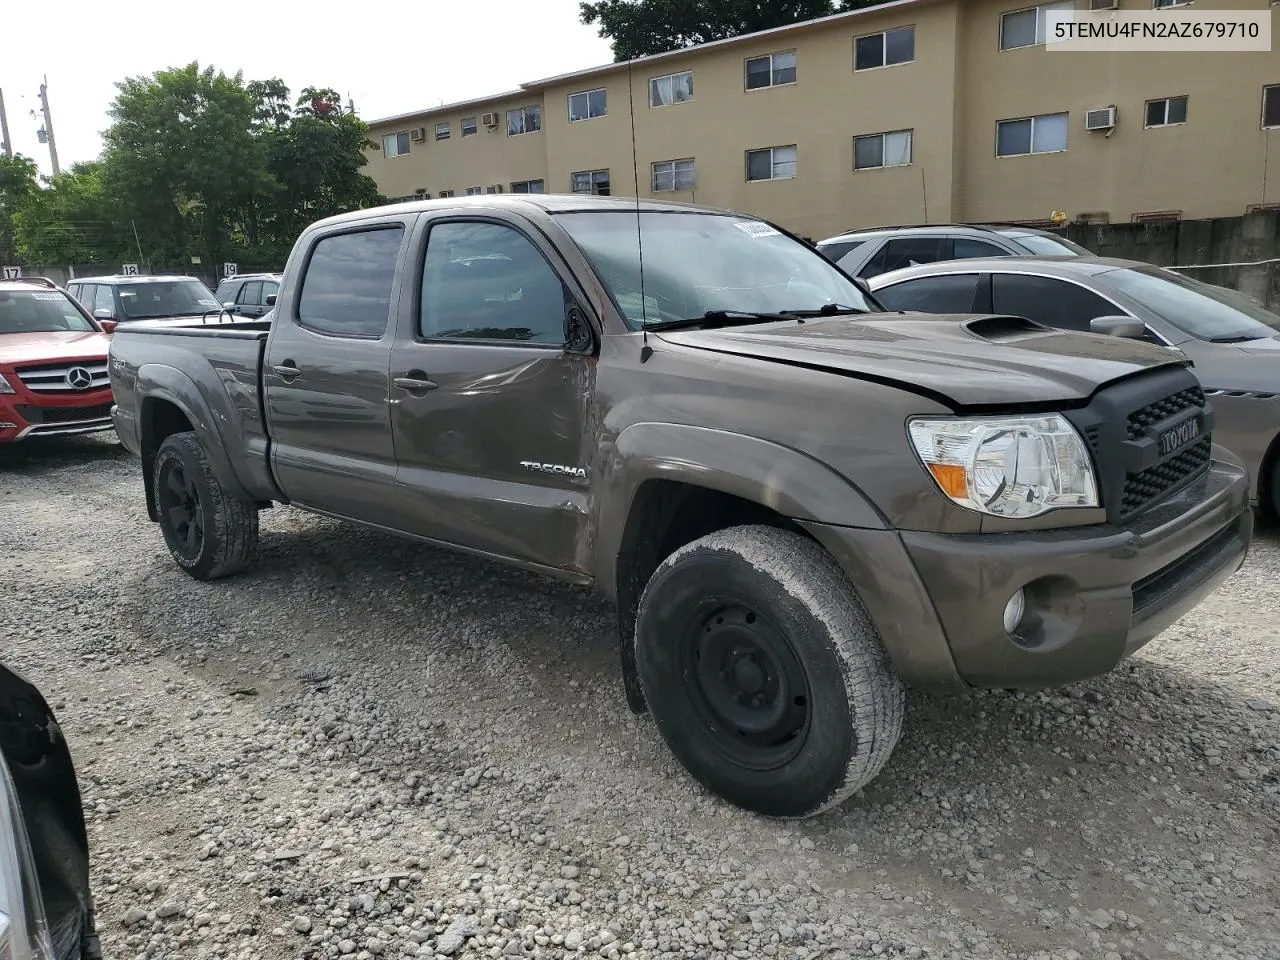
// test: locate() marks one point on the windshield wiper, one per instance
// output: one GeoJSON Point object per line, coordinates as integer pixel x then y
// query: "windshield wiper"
{"type": "Point", "coordinates": [826, 310]}
{"type": "Point", "coordinates": [1243, 338]}
{"type": "Point", "coordinates": [719, 318]}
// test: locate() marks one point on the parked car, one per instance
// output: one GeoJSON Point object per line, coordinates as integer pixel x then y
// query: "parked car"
{"type": "Point", "coordinates": [797, 500]}
{"type": "Point", "coordinates": [250, 295]}
{"type": "Point", "coordinates": [869, 253]}
{"type": "Point", "coordinates": [53, 363]}
{"type": "Point", "coordinates": [125, 299]}
{"type": "Point", "coordinates": [46, 907]}
{"type": "Point", "coordinates": [1233, 340]}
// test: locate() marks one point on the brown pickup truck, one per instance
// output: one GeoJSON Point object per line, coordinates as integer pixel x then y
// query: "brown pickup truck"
{"type": "Point", "coordinates": [798, 500]}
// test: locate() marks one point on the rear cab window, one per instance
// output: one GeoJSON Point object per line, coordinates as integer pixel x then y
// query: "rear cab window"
{"type": "Point", "coordinates": [347, 287]}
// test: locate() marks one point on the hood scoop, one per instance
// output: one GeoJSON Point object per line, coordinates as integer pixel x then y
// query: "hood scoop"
{"type": "Point", "coordinates": [1005, 328]}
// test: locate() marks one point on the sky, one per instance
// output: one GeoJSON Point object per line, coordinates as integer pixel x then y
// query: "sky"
{"type": "Point", "coordinates": [389, 56]}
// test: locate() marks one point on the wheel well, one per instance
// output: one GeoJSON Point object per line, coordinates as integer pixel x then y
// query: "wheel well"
{"type": "Point", "coordinates": [160, 419]}
{"type": "Point", "coordinates": [665, 515]}
{"type": "Point", "coordinates": [1263, 482]}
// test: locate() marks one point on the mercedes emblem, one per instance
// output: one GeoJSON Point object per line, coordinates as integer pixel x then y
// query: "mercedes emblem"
{"type": "Point", "coordinates": [78, 378]}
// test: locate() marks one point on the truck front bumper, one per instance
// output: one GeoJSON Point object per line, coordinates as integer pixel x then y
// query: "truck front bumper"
{"type": "Point", "coordinates": [1092, 595]}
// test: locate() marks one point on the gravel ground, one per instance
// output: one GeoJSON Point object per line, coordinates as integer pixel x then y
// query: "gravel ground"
{"type": "Point", "coordinates": [363, 747]}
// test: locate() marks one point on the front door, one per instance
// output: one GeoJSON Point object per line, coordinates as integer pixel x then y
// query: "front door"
{"type": "Point", "coordinates": [326, 374]}
{"type": "Point", "coordinates": [488, 404]}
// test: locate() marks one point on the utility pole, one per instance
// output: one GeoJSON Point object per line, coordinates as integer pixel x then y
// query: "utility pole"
{"type": "Point", "coordinates": [4, 129]}
{"type": "Point", "coordinates": [48, 126]}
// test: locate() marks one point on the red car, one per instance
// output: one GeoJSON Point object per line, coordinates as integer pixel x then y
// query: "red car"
{"type": "Point", "coordinates": [53, 363]}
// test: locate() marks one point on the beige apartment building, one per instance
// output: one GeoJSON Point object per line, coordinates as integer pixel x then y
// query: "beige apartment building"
{"type": "Point", "coordinates": [914, 111]}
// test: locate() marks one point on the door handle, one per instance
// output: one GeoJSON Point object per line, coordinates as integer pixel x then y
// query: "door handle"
{"type": "Point", "coordinates": [287, 370]}
{"type": "Point", "coordinates": [414, 384]}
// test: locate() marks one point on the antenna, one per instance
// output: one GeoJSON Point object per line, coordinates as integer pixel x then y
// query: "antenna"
{"type": "Point", "coordinates": [646, 351]}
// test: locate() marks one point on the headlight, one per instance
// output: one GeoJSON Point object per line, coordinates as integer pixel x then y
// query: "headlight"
{"type": "Point", "coordinates": [1007, 466]}
{"type": "Point", "coordinates": [5, 385]}
{"type": "Point", "coordinates": [24, 932]}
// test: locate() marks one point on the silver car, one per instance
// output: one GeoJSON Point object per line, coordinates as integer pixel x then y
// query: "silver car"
{"type": "Point", "coordinates": [1233, 341]}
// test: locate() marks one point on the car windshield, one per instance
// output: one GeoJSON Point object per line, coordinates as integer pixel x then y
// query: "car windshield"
{"type": "Point", "coordinates": [40, 311]}
{"type": "Point", "coordinates": [695, 263]}
{"type": "Point", "coordinates": [1043, 245]}
{"type": "Point", "coordinates": [1198, 309]}
{"type": "Point", "coordinates": [165, 298]}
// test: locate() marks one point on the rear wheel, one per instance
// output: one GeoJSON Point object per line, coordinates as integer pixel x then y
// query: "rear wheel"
{"type": "Point", "coordinates": [209, 533]}
{"type": "Point", "coordinates": [764, 674]}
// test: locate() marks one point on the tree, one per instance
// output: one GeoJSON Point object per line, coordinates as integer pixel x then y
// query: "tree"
{"type": "Point", "coordinates": [643, 27]}
{"type": "Point", "coordinates": [70, 221]}
{"type": "Point", "coordinates": [19, 179]}
{"type": "Point", "coordinates": [182, 159]}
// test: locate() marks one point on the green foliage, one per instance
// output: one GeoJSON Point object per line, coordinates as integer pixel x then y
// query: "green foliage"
{"type": "Point", "coordinates": [200, 164]}
{"type": "Point", "coordinates": [18, 181]}
{"type": "Point", "coordinates": [641, 28]}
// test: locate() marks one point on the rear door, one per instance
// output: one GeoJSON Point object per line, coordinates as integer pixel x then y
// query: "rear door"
{"type": "Point", "coordinates": [489, 403]}
{"type": "Point", "coordinates": [249, 298]}
{"type": "Point", "coordinates": [326, 369]}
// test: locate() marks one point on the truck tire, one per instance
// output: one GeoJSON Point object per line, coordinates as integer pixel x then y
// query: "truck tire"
{"type": "Point", "coordinates": [209, 533]}
{"type": "Point", "coordinates": [763, 672]}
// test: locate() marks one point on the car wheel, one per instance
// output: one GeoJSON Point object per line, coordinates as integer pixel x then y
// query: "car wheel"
{"type": "Point", "coordinates": [209, 533]}
{"type": "Point", "coordinates": [763, 672]}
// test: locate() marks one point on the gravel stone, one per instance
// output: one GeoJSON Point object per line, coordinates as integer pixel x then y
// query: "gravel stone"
{"type": "Point", "coordinates": [441, 746]}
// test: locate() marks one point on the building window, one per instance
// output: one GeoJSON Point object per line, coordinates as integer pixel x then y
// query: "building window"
{"type": "Point", "coordinates": [1157, 4]}
{"type": "Point", "coordinates": [1165, 113]}
{"type": "Point", "coordinates": [395, 144]}
{"type": "Point", "coordinates": [1026, 28]}
{"type": "Point", "coordinates": [445, 194]}
{"type": "Point", "coordinates": [495, 188]}
{"type": "Point", "coordinates": [882, 150]}
{"type": "Point", "coordinates": [1043, 134]}
{"type": "Point", "coordinates": [468, 126]}
{"type": "Point", "coordinates": [772, 163]}
{"type": "Point", "coordinates": [1271, 107]}
{"type": "Point", "coordinates": [674, 88]}
{"type": "Point", "coordinates": [524, 120]}
{"type": "Point", "coordinates": [884, 49]}
{"type": "Point", "coordinates": [591, 181]}
{"type": "Point", "coordinates": [588, 105]}
{"type": "Point", "coordinates": [442, 130]}
{"type": "Point", "coordinates": [528, 186]}
{"type": "Point", "coordinates": [671, 175]}
{"type": "Point", "coordinates": [774, 70]}
{"type": "Point", "coordinates": [1158, 216]}
{"type": "Point", "coordinates": [474, 191]}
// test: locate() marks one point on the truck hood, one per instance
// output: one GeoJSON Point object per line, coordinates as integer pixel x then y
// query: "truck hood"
{"type": "Point", "coordinates": [52, 347]}
{"type": "Point", "coordinates": [966, 360]}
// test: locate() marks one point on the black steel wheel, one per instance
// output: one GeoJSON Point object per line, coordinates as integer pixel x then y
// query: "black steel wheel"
{"type": "Point", "coordinates": [209, 533]}
{"type": "Point", "coordinates": [763, 672]}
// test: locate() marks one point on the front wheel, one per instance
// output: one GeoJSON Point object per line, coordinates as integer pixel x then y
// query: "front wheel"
{"type": "Point", "coordinates": [764, 673]}
{"type": "Point", "coordinates": [209, 533]}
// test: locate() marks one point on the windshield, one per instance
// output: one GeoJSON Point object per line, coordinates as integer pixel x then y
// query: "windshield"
{"type": "Point", "coordinates": [1049, 246]}
{"type": "Point", "coordinates": [165, 298]}
{"type": "Point", "coordinates": [700, 262]}
{"type": "Point", "coordinates": [40, 311]}
{"type": "Point", "coordinates": [1198, 309]}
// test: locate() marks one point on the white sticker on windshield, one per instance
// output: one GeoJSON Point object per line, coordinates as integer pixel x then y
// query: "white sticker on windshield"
{"type": "Point", "coordinates": [46, 296]}
{"type": "Point", "coordinates": [755, 228]}
{"type": "Point", "coordinates": [208, 303]}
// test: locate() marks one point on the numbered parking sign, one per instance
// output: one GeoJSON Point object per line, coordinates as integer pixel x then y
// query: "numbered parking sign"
{"type": "Point", "coordinates": [228, 269]}
{"type": "Point", "coordinates": [12, 273]}
{"type": "Point", "coordinates": [129, 270]}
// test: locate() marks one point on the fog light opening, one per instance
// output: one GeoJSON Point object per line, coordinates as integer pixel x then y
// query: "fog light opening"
{"type": "Point", "coordinates": [1013, 612]}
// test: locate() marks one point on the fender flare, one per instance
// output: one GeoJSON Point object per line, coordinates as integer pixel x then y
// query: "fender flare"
{"type": "Point", "coordinates": [781, 478]}
{"type": "Point", "coordinates": [158, 381]}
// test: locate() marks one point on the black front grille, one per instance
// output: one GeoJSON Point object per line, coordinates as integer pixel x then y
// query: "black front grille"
{"type": "Point", "coordinates": [1140, 420]}
{"type": "Point", "coordinates": [1152, 483]}
{"type": "Point", "coordinates": [33, 414]}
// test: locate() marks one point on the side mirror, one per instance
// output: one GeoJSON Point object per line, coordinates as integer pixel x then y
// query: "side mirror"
{"type": "Point", "coordinates": [108, 326]}
{"type": "Point", "coordinates": [271, 299]}
{"type": "Point", "coordinates": [1119, 327]}
{"type": "Point", "coordinates": [861, 284]}
{"type": "Point", "coordinates": [229, 306]}
{"type": "Point", "coordinates": [102, 313]}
